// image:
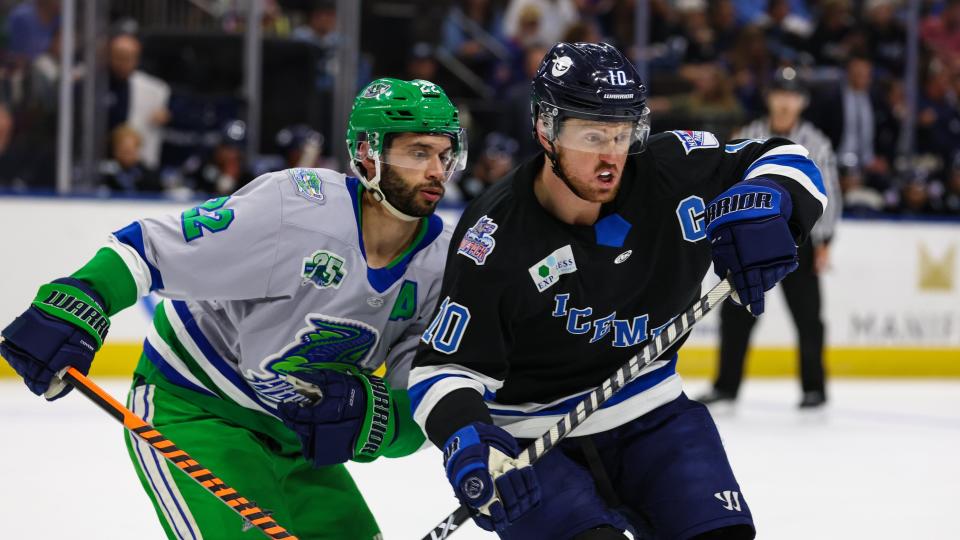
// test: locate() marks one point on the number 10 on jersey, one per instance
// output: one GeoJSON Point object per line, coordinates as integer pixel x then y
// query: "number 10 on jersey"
{"type": "Point", "coordinates": [446, 331]}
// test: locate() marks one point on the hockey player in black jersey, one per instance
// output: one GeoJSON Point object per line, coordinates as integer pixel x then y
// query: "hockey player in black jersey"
{"type": "Point", "coordinates": [558, 274]}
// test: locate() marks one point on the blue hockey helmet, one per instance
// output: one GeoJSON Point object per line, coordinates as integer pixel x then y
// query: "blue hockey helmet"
{"type": "Point", "coordinates": [589, 81]}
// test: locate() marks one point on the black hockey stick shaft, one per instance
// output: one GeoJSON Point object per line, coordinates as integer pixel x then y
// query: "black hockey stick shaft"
{"type": "Point", "coordinates": [655, 348]}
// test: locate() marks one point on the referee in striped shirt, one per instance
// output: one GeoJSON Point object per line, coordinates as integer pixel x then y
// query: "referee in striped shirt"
{"type": "Point", "coordinates": [785, 101]}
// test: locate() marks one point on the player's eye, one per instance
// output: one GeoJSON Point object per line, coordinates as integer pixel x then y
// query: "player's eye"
{"type": "Point", "coordinates": [419, 155]}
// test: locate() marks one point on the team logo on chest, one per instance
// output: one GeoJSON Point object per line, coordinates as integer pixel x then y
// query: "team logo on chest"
{"type": "Point", "coordinates": [546, 273]}
{"type": "Point", "coordinates": [325, 340]}
{"type": "Point", "coordinates": [324, 269]}
{"type": "Point", "coordinates": [626, 332]}
{"type": "Point", "coordinates": [478, 241]}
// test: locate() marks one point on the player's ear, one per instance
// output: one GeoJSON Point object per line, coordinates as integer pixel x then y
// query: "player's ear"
{"type": "Point", "coordinates": [541, 135]}
{"type": "Point", "coordinates": [363, 149]}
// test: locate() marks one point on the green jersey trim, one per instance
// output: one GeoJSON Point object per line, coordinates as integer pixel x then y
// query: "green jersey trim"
{"type": "Point", "coordinates": [109, 275]}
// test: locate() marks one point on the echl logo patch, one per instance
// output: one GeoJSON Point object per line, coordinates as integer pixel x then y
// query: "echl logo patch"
{"type": "Point", "coordinates": [694, 140]}
{"type": "Point", "coordinates": [478, 241]}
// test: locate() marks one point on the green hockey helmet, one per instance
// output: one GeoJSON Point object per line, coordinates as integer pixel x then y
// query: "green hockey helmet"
{"type": "Point", "coordinates": [390, 106]}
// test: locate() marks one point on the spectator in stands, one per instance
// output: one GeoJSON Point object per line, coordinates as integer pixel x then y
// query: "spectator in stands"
{"type": "Point", "coordinates": [698, 36]}
{"type": "Point", "coordinates": [555, 16]}
{"type": "Point", "coordinates": [30, 27]}
{"type": "Point", "coordinates": [321, 25]}
{"type": "Point", "coordinates": [723, 20]}
{"type": "Point", "coordinates": [914, 198]}
{"type": "Point", "coordinates": [750, 63]}
{"type": "Point", "coordinates": [835, 34]}
{"type": "Point", "coordinates": [44, 76]}
{"type": "Point", "coordinates": [938, 116]}
{"type": "Point", "coordinates": [786, 33]}
{"type": "Point", "coordinates": [711, 106]}
{"type": "Point", "coordinates": [25, 164]}
{"type": "Point", "coordinates": [886, 36]}
{"type": "Point", "coordinates": [136, 98]}
{"type": "Point", "coordinates": [859, 199]}
{"type": "Point", "coordinates": [125, 172]}
{"type": "Point", "coordinates": [941, 34]}
{"type": "Point", "coordinates": [849, 119]}
{"type": "Point", "coordinates": [949, 200]}
{"type": "Point", "coordinates": [225, 170]}
{"type": "Point", "coordinates": [11, 158]}
{"type": "Point", "coordinates": [466, 25]}
{"type": "Point", "coordinates": [515, 122]}
{"type": "Point", "coordinates": [302, 146]}
{"type": "Point", "coordinates": [583, 32]}
{"type": "Point", "coordinates": [888, 117]}
{"type": "Point", "coordinates": [422, 63]}
{"type": "Point", "coordinates": [493, 164]}
{"type": "Point", "coordinates": [786, 100]}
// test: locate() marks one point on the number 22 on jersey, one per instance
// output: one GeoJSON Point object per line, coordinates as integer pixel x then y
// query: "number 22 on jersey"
{"type": "Point", "coordinates": [209, 215]}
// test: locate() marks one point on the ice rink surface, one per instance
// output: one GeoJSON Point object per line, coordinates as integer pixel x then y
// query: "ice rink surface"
{"type": "Point", "coordinates": [882, 461]}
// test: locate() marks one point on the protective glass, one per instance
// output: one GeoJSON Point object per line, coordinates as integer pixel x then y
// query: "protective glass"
{"type": "Point", "coordinates": [596, 133]}
{"type": "Point", "coordinates": [421, 157]}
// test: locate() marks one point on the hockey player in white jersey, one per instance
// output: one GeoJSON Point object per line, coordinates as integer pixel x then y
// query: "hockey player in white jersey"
{"type": "Point", "coordinates": [284, 305]}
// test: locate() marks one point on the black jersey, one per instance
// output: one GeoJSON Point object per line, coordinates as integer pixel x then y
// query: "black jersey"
{"type": "Point", "coordinates": [534, 312]}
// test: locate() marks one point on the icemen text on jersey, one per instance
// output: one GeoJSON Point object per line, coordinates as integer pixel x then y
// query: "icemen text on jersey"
{"type": "Point", "coordinates": [289, 244]}
{"type": "Point", "coordinates": [586, 297]}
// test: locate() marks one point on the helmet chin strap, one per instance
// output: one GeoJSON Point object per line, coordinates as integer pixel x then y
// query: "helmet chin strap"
{"type": "Point", "coordinates": [558, 169]}
{"type": "Point", "coordinates": [373, 185]}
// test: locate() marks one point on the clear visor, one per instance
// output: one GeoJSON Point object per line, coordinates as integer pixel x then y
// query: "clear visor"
{"type": "Point", "coordinates": [422, 152]}
{"type": "Point", "coordinates": [596, 134]}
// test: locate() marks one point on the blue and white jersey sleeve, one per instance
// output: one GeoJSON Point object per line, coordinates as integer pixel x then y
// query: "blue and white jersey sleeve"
{"type": "Point", "coordinates": [702, 157]}
{"type": "Point", "coordinates": [789, 165]}
{"type": "Point", "coordinates": [222, 249]}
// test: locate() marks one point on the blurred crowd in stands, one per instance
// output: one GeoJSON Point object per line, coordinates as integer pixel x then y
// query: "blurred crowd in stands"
{"type": "Point", "coordinates": [173, 105]}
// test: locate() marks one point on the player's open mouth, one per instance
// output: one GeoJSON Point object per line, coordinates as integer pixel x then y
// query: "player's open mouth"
{"type": "Point", "coordinates": [606, 177]}
{"type": "Point", "coordinates": [432, 194]}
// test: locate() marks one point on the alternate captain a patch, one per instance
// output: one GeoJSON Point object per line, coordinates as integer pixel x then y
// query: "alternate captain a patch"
{"type": "Point", "coordinates": [694, 140]}
{"type": "Point", "coordinates": [478, 241]}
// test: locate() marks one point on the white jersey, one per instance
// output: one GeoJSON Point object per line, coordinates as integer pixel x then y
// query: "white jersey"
{"type": "Point", "coordinates": [274, 279]}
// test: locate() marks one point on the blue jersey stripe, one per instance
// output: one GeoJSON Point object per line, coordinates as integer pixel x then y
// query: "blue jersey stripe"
{"type": "Point", "coordinates": [169, 372]}
{"type": "Point", "coordinates": [638, 385]}
{"type": "Point", "coordinates": [419, 390]}
{"type": "Point", "coordinates": [213, 356]}
{"type": "Point", "coordinates": [132, 235]}
{"type": "Point", "coordinates": [796, 161]}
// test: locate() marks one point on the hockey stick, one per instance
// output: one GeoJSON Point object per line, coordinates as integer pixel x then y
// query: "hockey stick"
{"type": "Point", "coordinates": [247, 509]}
{"type": "Point", "coordinates": [592, 402]}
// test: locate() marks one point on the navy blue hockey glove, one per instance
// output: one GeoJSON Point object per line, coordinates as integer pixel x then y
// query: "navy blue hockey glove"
{"type": "Point", "coordinates": [64, 326]}
{"type": "Point", "coordinates": [348, 415]}
{"type": "Point", "coordinates": [481, 465]}
{"type": "Point", "coordinates": [751, 239]}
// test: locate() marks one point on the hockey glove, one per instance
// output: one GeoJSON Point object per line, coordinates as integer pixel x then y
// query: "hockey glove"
{"type": "Point", "coordinates": [64, 326]}
{"type": "Point", "coordinates": [481, 466]}
{"type": "Point", "coordinates": [347, 415]}
{"type": "Point", "coordinates": [751, 239]}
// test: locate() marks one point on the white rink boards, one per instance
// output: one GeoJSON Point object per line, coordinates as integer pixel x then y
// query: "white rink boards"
{"type": "Point", "coordinates": [881, 462]}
